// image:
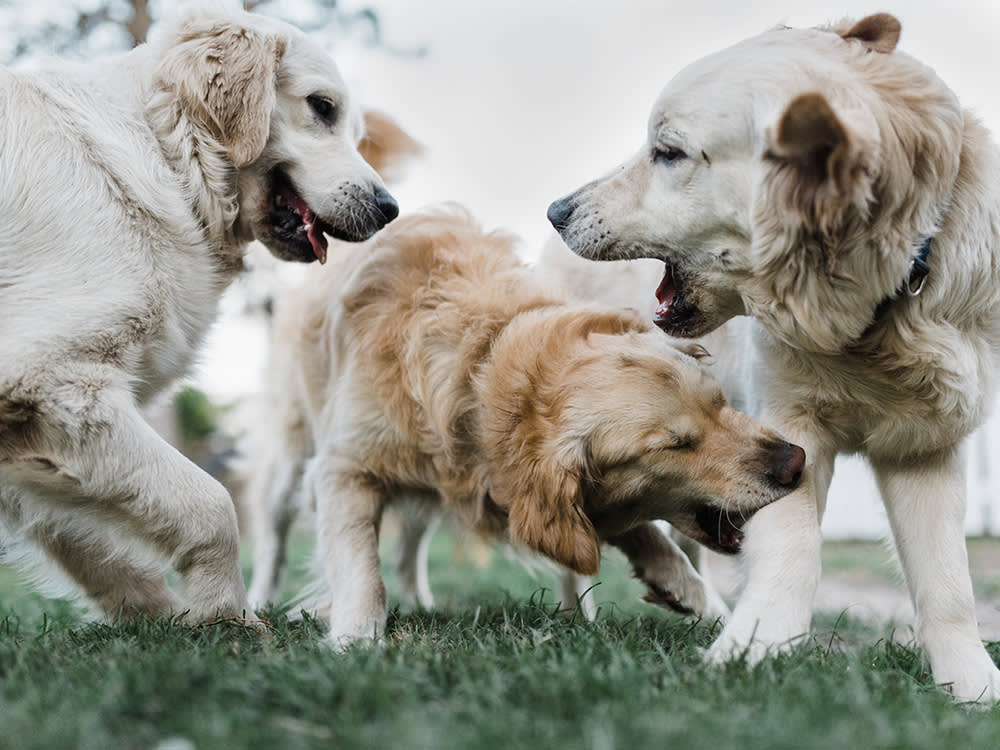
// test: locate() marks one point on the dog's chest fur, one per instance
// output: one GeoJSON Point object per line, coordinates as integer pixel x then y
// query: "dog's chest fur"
{"type": "Point", "coordinates": [888, 402]}
{"type": "Point", "coordinates": [119, 274]}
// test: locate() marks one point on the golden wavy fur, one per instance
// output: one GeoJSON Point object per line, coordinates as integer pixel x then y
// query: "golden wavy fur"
{"type": "Point", "coordinates": [437, 365]}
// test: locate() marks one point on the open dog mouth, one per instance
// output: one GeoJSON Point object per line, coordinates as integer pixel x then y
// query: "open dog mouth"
{"type": "Point", "coordinates": [724, 531]}
{"type": "Point", "coordinates": [674, 314]}
{"type": "Point", "coordinates": [666, 294]}
{"type": "Point", "coordinates": [294, 223]}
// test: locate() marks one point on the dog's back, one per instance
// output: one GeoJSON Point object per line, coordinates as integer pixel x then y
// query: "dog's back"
{"type": "Point", "coordinates": [378, 352]}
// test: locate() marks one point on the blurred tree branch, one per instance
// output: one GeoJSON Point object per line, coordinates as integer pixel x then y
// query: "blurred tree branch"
{"type": "Point", "coordinates": [86, 26]}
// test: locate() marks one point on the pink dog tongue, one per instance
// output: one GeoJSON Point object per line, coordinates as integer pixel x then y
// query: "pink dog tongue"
{"type": "Point", "coordinates": [665, 294]}
{"type": "Point", "coordinates": [316, 237]}
{"type": "Point", "coordinates": [318, 241]}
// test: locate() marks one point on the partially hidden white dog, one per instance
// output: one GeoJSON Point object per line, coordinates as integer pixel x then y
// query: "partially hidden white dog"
{"type": "Point", "coordinates": [834, 189]}
{"type": "Point", "coordinates": [129, 189]}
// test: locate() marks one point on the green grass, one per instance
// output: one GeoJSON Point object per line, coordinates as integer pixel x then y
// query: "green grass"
{"type": "Point", "coordinates": [496, 666]}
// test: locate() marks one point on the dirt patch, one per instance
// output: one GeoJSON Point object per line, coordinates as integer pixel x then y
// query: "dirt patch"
{"type": "Point", "coordinates": [861, 579]}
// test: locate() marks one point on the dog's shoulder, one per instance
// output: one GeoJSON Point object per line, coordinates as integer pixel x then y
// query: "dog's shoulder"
{"type": "Point", "coordinates": [420, 261]}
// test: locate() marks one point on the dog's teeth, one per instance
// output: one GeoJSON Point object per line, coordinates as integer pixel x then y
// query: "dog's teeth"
{"type": "Point", "coordinates": [279, 201]}
{"type": "Point", "coordinates": [308, 227]}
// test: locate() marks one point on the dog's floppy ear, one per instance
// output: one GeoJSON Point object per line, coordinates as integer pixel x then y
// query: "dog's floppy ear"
{"type": "Point", "coordinates": [543, 495]}
{"type": "Point", "coordinates": [822, 165]}
{"type": "Point", "coordinates": [879, 32]}
{"type": "Point", "coordinates": [223, 75]}
{"type": "Point", "coordinates": [386, 146]}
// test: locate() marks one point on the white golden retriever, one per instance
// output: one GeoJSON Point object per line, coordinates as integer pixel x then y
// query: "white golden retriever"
{"type": "Point", "coordinates": [809, 178]}
{"type": "Point", "coordinates": [436, 366]}
{"type": "Point", "coordinates": [129, 190]}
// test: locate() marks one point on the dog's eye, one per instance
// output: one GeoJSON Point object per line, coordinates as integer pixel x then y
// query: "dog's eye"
{"type": "Point", "coordinates": [668, 155]}
{"type": "Point", "coordinates": [323, 107]}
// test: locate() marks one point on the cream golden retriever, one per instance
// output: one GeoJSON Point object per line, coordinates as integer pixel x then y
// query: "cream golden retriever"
{"type": "Point", "coordinates": [435, 366]}
{"type": "Point", "coordinates": [129, 189]}
{"type": "Point", "coordinates": [834, 189]}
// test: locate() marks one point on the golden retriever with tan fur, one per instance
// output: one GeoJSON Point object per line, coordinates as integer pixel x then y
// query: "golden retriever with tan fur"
{"type": "Point", "coordinates": [436, 365]}
{"type": "Point", "coordinates": [833, 188]}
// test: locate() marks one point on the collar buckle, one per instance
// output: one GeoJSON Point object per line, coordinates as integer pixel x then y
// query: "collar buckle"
{"type": "Point", "coordinates": [919, 268]}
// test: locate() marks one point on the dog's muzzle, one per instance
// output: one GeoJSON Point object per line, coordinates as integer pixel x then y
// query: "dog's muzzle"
{"type": "Point", "coordinates": [559, 213]}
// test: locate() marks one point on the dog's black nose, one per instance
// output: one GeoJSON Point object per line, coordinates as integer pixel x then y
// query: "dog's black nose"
{"type": "Point", "coordinates": [386, 204]}
{"type": "Point", "coordinates": [559, 213]}
{"type": "Point", "coordinates": [787, 463]}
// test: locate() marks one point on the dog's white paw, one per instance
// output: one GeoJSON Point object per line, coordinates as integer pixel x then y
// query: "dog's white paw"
{"type": "Point", "coordinates": [751, 639]}
{"type": "Point", "coordinates": [259, 597]}
{"type": "Point", "coordinates": [977, 683]}
{"type": "Point", "coordinates": [342, 643]}
{"type": "Point", "coordinates": [219, 608]}
{"type": "Point", "coordinates": [715, 607]}
{"type": "Point", "coordinates": [726, 650]}
{"type": "Point", "coordinates": [343, 636]}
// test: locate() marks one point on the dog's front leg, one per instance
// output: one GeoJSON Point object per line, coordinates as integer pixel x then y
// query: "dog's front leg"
{"type": "Point", "coordinates": [348, 512]}
{"type": "Point", "coordinates": [112, 575]}
{"type": "Point", "coordinates": [925, 502]}
{"type": "Point", "coordinates": [671, 580]}
{"type": "Point", "coordinates": [781, 556]}
{"type": "Point", "coordinates": [92, 454]}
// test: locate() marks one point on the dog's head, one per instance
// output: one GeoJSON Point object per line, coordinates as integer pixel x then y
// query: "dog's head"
{"type": "Point", "coordinates": [255, 116]}
{"type": "Point", "coordinates": [790, 177]}
{"type": "Point", "coordinates": [597, 423]}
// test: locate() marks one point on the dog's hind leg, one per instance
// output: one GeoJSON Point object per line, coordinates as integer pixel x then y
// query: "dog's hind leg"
{"type": "Point", "coordinates": [576, 593]}
{"type": "Point", "coordinates": [670, 578]}
{"type": "Point", "coordinates": [86, 449]}
{"type": "Point", "coordinates": [274, 502]}
{"type": "Point", "coordinates": [925, 502]}
{"type": "Point", "coordinates": [417, 526]}
{"type": "Point", "coordinates": [348, 513]}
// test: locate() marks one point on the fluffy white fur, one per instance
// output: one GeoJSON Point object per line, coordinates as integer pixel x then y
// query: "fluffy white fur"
{"type": "Point", "coordinates": [128, 191]}
{"type": "Point", "coordinates": [792, 178]}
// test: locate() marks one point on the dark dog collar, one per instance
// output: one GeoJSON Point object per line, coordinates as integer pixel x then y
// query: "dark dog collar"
{"type": "Point", "coordinates": [912, 287]}
{"type": "Point", "coordinates": [919, 268]}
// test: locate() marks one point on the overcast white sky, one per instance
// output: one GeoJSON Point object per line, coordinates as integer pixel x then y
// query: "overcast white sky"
{"type": "Point", "coordinates": [521, 101]}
